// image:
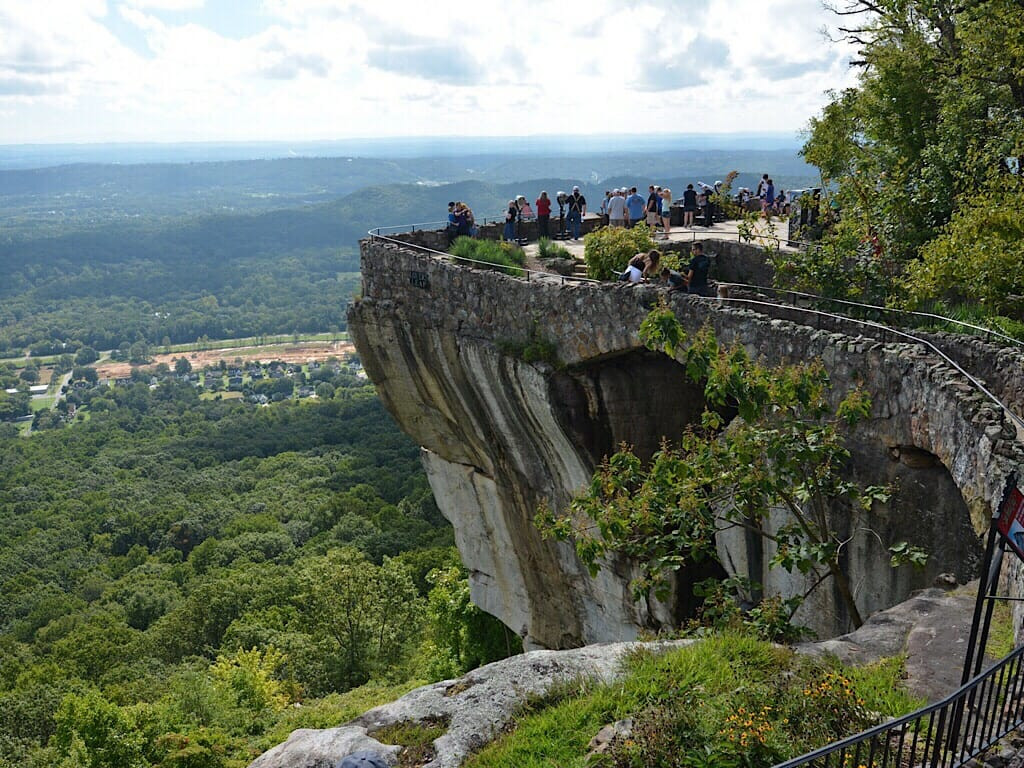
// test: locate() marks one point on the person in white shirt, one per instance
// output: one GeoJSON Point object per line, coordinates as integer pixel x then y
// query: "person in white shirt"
{"type": "Point", "coordinates": [617, 209]}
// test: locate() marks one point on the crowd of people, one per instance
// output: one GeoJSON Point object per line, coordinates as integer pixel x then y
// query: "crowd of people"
{"type": "Point", "coordinates": [623, 207]}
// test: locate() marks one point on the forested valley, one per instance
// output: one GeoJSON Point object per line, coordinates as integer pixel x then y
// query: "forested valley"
{"type": "Point", "coordinates": [185, 581]}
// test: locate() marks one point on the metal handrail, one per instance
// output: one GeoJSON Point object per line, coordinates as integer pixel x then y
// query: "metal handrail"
{"type": "Point", "coordinates": [960, 727]}
{"type": "Point", "coordinates": [847, 302]}
{"type": "Point", "coordinates": [1018, 421]}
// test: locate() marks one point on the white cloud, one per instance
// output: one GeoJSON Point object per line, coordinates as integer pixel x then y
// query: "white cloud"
{"type": "Point", "coordinates": [323, 69]}
{"type": "Point", "coordinates": [166, 5]}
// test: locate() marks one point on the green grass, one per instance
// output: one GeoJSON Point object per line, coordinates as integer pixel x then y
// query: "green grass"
{"type": "Point", "coordinates": [1000, 634]}
{"type": "Point", "coordinates": [416, 739]}
{"type": "Point", "coordinates": [42, 403]}
{"type": "Point", "coordinates": [222, 394]}
{"type": "Point", "coordinates": [250, 343]}
{"type": "Point", "coordinates": [725, 701]}
{"type": "Point", "coordinates": [254, 342]}
{"type": "Point", "coordinates": [548, 249]}
{"type": "Point", "coordinates": [506, 257]}
{"type": "Point", "coordinates": [333, 710]}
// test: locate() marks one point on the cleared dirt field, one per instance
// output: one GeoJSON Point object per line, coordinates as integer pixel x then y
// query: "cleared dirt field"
{"type": "Point", "coordinates": [303, 352]}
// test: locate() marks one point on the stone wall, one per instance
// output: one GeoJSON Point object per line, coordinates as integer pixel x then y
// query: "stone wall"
{"type": "Point", "coordinates": [501, 436]}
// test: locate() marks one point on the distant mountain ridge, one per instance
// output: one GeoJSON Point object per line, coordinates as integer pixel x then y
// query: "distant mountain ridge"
{"type": "Point", "coordinates": [43, 155]}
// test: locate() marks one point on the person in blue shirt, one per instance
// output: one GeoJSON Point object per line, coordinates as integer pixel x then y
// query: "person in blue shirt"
{"type": "Point", "coordinates": [636, 206]}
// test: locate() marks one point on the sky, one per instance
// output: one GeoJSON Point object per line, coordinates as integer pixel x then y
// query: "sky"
{"type": "Point", "coordinates": [83, 71]}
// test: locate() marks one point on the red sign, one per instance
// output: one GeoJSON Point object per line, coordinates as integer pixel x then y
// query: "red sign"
{"type": "Point", "coordinates": [1011, 520]}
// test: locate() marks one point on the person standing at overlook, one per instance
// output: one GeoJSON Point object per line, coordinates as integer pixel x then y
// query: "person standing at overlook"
{"type": "Point", "coordinates": [577, 210]}
{"type": "Point", "coordinates": [543, 214]}
{"type": "Point", "coordinates": [604, 206]}
{"type": "Point", "coordinates": [510, 222]}
{"type": "Point", "coordinates": [636, 206]}
{"type": "Point", "coordinates": [652, 208]}
{"type": "Point", "coordinates": [666, 210]}
{"type": "Point", "coordinates": [617, 209]}
{"type": "Point", "coordinates": [689, 205]}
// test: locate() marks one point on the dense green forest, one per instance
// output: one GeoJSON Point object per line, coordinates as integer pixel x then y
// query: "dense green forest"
{"type": "Point", "coordinates": [183, 580]}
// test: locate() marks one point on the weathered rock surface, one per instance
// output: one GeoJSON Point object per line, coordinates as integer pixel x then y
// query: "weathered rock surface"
{"type": "Point", "coordinates": [479, 705]}
{"type": "Point", "coordinates": [502, 436]}
{"type": "Point", "coordinates": [476, 706]}
{"type": "Point", "coordinates": [931, 628]}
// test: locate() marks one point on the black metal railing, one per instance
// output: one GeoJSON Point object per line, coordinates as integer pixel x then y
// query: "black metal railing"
{"type": "Point", "coordinates": [946, 734]}
{"type": "Point", "coordinates": [896, 335]}
{"type": "Point", "coordinates": [909, 318]}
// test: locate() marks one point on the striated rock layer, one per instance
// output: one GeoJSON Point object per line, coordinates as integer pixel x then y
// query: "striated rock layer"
{"type": "Point", "coordinates": [444, 345]}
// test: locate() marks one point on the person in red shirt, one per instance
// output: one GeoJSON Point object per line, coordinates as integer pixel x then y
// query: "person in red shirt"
{"type": "Point", "coordinates": [543, 214]}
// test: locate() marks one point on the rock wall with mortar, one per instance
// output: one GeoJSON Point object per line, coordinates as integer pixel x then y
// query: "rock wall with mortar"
{"type": "Point", "coordinates": [501, 436]}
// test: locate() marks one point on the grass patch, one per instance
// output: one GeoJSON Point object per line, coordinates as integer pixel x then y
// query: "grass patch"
{"type": "Point", "coordinates": [42, 403]}
{"type": "Point", "coordinates": [222, 394]}
{"type": "Point", "coordinates": [505, 257]}
{"type": "Point", "coordinates": [1000, 633]}
{"type": "Point", "coordinates": [549, 249]}
{"type": "Point", "coordinates": [726, 701]}
{"type": "Point", "coordinates": [331, 711]}
{"type": "Point", "coordinates": [416, 739]}
{"type": "Point", "coordinates": [536, 348]}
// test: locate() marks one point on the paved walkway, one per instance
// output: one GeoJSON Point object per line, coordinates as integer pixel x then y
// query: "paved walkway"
{"type": "Point", "coordinates": [726, 230]}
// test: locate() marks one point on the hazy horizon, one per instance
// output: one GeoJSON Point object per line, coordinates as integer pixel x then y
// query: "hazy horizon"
{"type": "Point", "coordinates": [43, 155]}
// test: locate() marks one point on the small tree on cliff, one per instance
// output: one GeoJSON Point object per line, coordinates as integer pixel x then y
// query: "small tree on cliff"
{"type": "Point", "coordinates": [783, 451]}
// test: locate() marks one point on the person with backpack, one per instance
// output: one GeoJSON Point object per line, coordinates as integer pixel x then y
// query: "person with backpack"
{"type": "Point", "coordinates": [577, 204]}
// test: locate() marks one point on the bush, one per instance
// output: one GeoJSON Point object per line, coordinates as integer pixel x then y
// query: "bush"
{"type": "Point", "coordinates": [608, 250]}
{"type": "Point", "coordinates": [508, 257]}
{"type": "Point", "coordinates": [547, 249]}
{"type": "Point", "coordinates": [727, 701]}
{"type": "Point", "coordinates": [978, 260]}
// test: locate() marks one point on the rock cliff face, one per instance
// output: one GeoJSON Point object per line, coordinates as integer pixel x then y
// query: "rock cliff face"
{"type": "Point", "coordinates": [501, 436]}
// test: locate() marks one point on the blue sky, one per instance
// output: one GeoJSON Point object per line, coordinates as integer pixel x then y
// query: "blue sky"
{"type": "Point", "coordinates": [222, 70]}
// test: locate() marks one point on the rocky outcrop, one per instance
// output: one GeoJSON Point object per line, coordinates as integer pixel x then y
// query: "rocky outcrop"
{"type": "Point", "coordinates": [480, 705]}
{"type": "Point", "coordinates": [502, 436]}
{"type": "Point", "coordinates": [476, 707]}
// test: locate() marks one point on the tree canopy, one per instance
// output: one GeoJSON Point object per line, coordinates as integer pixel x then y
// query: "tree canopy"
{"type": "Point", "coordinates": [921, 153]}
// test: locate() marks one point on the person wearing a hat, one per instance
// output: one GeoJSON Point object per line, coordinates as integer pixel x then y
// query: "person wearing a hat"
{"type": "Point", "coordinates": [364, 758]}
{"type": "Point", "coordinates": [577, 210]}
